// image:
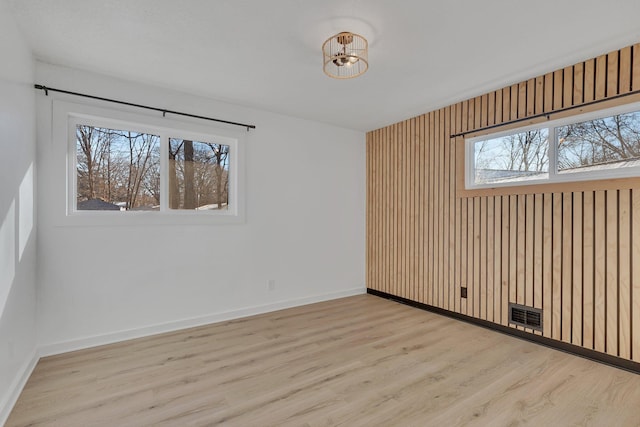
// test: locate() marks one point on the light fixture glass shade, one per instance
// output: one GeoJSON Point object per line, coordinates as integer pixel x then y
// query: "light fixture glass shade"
{"type": "Point", "coordinates": [346, 55]}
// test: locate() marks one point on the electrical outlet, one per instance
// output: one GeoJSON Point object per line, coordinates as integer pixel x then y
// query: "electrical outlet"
{"type": "Point", "coordinates": [463, 292]}
{"type": "Point", "coordinates": [272, 285]}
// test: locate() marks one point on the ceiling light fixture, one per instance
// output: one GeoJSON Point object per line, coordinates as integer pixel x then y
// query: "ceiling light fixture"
{"type": "Point", "coordinates": [346, 55]}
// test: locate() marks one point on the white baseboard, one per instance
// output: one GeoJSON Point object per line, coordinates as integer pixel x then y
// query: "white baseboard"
{"type": "Point", "coordinates": [20, 380]}
{"type": "Point", "coordinates": [82, 343]}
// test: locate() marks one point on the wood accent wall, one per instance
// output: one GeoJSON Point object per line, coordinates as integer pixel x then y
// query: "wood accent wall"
{"type": "Point", "coordinates": [574, 252]}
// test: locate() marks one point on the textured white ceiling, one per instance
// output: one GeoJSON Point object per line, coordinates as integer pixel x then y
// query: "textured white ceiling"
{"type": "Point", "coordinates": [267, 54]}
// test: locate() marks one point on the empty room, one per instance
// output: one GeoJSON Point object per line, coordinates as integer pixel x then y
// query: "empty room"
{"type": "Point", "coordinates": [305, 213]}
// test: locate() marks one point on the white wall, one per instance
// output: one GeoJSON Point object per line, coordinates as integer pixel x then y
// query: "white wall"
{"type": "Point", "coordinates": [304, 228]}
{"type": "Point", "coordinates": [17, 220]}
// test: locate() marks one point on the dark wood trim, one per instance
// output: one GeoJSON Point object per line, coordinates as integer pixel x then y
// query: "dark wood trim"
{"type": "Point", "coordinates": [607, 359]}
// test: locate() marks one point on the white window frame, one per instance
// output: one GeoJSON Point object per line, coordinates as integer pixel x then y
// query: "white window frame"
{"type": "Point", "coordinates": [553, 175]}
{"type": "Point", "coordinates": [66, 116]}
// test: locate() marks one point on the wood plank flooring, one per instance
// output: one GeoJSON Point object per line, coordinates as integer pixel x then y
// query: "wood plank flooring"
{"type": "Point", "coordinates": [358, 361]}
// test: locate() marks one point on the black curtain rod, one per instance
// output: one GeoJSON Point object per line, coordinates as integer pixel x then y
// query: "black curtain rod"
{"type": "Point", "coordinates": [162, 110]}
{"type": "Point", "coordinates": [547, 115]}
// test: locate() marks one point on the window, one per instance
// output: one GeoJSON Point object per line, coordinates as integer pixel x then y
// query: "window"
{"type": "Point", "coordinates": [198, 175]}
{"type": "Point", "coordinates": [605, 144]}
{"type": "Point", "coordinates": [117, 169]}
{"type": "Point", "coordinates": [148, 169]}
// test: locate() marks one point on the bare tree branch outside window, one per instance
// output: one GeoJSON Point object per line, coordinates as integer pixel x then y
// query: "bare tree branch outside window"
{"type": "Point", "coordinates": [198, 175]}
{"type": "Point", "coordinates": [117, 167]}
{"type": "Point", "coordinates": [519, 156]}
{"type": "Point", "coordinates": [606, 141]}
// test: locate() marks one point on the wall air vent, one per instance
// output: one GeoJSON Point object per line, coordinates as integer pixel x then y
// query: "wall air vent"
{"type": "Point", "coordinates": [528, 317]}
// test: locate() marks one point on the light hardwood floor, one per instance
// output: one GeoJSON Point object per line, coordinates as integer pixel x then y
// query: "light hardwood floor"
{"type": "Point", "coordinates": [359, 361]}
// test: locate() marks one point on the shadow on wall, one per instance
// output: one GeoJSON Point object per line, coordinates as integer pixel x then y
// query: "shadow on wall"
{"type": "Point", "coordinates": [15, 231]}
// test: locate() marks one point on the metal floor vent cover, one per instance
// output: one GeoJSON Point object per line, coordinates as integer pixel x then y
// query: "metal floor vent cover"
{"type": "Point", "coordinates": [528, 317]}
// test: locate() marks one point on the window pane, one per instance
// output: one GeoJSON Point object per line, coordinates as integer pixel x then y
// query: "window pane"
{"type": "Point", "coordinates": [117, 169]}
{"type": "Point", "coordinates": [519, 157]}
{"type": "Point", "coordinates": [198, 175]}
{"type": "Point", "coordinates": [608, 143]}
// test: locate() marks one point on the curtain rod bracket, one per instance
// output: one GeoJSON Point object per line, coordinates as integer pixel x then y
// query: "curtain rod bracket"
{"type": "Point", "coordinates": [44, 88]}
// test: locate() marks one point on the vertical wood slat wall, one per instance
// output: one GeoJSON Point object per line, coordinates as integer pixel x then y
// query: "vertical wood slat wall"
{"type": "Point", "coordinates": [575, 254]}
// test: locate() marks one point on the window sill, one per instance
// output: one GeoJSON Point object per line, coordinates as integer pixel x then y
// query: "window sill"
{"type": "Point", "coordinates": [556, 187]}
{"type": "Point", "coordinates": [119, 219]}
